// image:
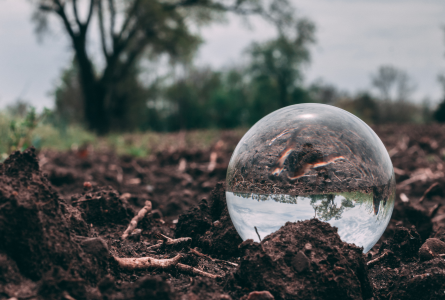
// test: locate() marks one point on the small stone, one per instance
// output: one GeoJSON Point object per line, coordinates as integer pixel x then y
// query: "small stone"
{"type": "Point", "coordinates": [300, 262]}
{"type": "Point", "coordinates": [431, 249]}
{"type": "Point", "coordinates": [96, 246]}
{"type": "Point", "coordinates": [308, 246]}
{"type": "Point", "coordinates": [263, 295]}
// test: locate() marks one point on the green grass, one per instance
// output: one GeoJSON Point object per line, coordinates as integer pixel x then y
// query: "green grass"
{"type": "Point", "coordinates": [139, 144]}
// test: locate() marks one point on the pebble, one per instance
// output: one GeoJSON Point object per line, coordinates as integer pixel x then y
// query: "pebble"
{"type": "Point", "coordinates": [300, 262]}
{"type": "Point", "coordinates": [431, 249]}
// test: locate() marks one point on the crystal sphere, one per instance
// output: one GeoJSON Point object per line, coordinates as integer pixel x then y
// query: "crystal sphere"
{"type": "Point", "coordinates": [311, 161]}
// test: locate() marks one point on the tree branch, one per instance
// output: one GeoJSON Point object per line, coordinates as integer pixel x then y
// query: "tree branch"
{"type": "Point", "coordinates": [102, 31]}
{"type": "Point", "coordinates": [61, 12]}
{"type": "Point", "coordinates": [128, 19]}
{"type": "Point", "coordinates": [132, 57]}
{"type": "Point", "coordinates": [112, 20]}
{"type": "Point", "coordinates": [90, 13]}
{"type": "Point", "coordinates": [76, 14]}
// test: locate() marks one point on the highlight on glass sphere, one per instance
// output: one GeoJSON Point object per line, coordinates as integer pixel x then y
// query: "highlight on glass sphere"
{"type": "Point", "coordinates": [311, 160]}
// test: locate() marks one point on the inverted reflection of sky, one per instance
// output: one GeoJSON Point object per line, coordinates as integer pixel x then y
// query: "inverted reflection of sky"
{"type": "Point", "coordinates": [358, 225]}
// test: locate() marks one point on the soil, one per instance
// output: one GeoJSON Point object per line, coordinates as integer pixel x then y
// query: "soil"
{"type": "Point", "coordinates": [62, 216]}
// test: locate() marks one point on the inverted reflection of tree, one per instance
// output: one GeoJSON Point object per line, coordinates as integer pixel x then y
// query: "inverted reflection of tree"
{"type": "Point", "coordinates": [327, 209]}
{"type": "Point", "coordinates": [324, 206]}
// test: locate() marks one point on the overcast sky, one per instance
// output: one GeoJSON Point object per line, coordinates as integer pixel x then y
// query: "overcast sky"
{"type": "Point", "coordinates": [354, 37]}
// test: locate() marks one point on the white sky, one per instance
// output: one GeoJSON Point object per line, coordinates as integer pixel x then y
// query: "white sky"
{"type": "Point", "coordinates": [354, 37]}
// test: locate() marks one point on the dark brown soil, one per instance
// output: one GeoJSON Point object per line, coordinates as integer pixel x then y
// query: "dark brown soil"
{"type": "Point", "coordinates": [62, 216]}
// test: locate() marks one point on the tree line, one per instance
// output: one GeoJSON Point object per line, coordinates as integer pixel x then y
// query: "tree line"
{"type": "Point", "coordinates": [136, 35]}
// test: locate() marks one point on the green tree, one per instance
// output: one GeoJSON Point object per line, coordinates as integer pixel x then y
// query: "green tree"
{"type": "Point", "coordinates": [276, 69]}
{"type": "Point", "coordinates": [130, 29]}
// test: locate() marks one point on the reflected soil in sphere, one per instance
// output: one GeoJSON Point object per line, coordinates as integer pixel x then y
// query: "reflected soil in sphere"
{"type": "Point", "coordinates": [306, 161]}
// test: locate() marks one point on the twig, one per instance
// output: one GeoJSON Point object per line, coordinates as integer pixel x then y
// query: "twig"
{"type": "Point", "coordinates": [376, 260]}
{"type": "Point", "coordinates": [256, 230]}
{"type": "Point", "coordinates": [212, 163]}
{"type": "Point", "coordinates": [134, 222]}
{"type": "Point", "coordinates": [169, 241]}
{"type": "Point", "coordinates": [194, 251]}
{"type": "Point", "coordinates": [195, 271]}
{"type": "Point", "coordinates": [435, 209]}
{"type": "Point", "coordinates": [427, 191]}
{"type": "Point", "coordinates": [134, 263]}
{"type": "Point", "coordinates": [150, 262]}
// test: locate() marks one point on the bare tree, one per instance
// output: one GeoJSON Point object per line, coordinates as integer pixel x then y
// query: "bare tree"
{"type": "Point", "coordinates": [395, 88]}
{"type": "Point", "coordinates": [393, 84]}
{"type": "Point", "coordinates": [128, 29]}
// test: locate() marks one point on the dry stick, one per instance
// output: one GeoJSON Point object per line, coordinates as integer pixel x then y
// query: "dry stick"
{"type": "Point", "coordinates": [134, 222]}
{"type": "Point", "coordinates": [435, 210]}
{"type": "Point", "coordinates": [427, 191]}
{"type": "Point", "coordinates": [374, 261]}
{"type": "Point", "coordinates": [256, 230]}
{"type": "Point", "coordinates": [150, 262]}
{"type": "Point", "coordinates": [169, 241]}
{"type": "Point", "coordinates": [134, 263]}
{"type": "Point", "coordinates": [194, 251]}
{"type": "Point", "coordinates": [195, 271]}
{"type": "Point", "coordinates": [212, 163]}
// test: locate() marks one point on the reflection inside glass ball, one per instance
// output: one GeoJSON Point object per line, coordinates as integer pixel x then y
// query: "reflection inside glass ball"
{"type": "Point", "coordinates": [311, 160]}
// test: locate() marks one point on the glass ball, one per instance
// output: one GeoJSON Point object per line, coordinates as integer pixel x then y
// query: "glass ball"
{"type": "Point", "coordinates": [311, 161]}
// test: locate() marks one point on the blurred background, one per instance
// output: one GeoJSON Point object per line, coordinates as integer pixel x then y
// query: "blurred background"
{"type": "Point", "coordinates": [77, 72]}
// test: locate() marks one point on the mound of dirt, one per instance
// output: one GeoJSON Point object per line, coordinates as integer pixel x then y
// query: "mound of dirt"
{"type": "Point", "coordinates": [304, 260]}
{"type": "Point", "coordinates": [33, 230]}
{"type": "Point", "coordinates": [211, 228]}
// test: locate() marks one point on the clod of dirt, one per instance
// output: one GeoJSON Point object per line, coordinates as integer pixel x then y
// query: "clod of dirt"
{"type": "Point", "coordinates": [416, 215]}
{"type": "Point", "coordinates": [431, 248]}
{"type": "Point", "coordinates": [33, 230]}
{"type": "Point", "coordinates": [96, 246]}
{"type": "Point", "coordinates": [103, 206]}
{"type": "Point", "coordinates": [205, 288]}
{"type": "Point", "coordinates": [12, 282]}
{"type": "Point", "coordinates": [405, 244]}
{"type": "Point", "coordinates": [218, 201]}
{"type": "Point", "coordinates": [304, 260]}
{"type": "Point", "coordinates": [152, 288]}
{"type": "Point", "coordinates": [211, 228]}
{"type": "Point", "coordinates": [148, 287]}
{"type": "Point", "coordinates": [264, 295]}
{"type": "Point", "coordinates": [74, 220]}
{"type": "Point", "coordinates": [194, 223]}
{"type": "Point", "coordinates": [222, 238]}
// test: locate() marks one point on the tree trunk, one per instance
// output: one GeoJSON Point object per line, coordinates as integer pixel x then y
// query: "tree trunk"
{"type": "Point", "coordinates": [94, 93]}
{"type": "Point", "coordinates": [96, 112]}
